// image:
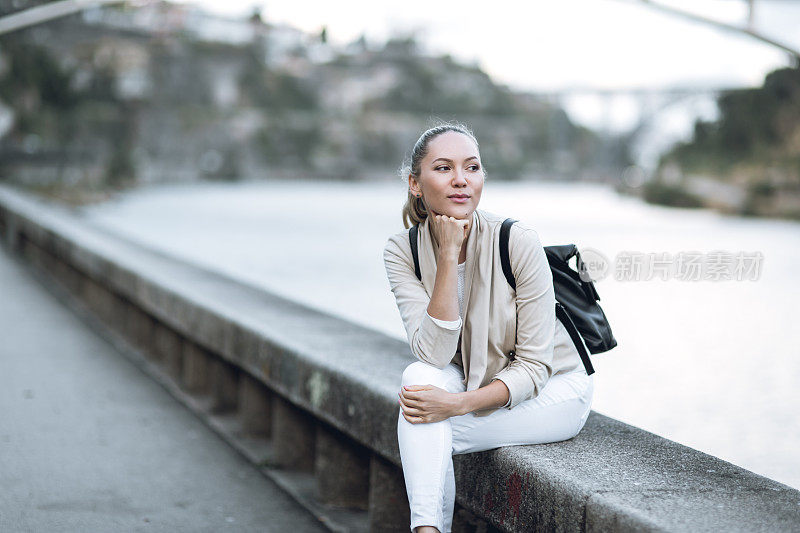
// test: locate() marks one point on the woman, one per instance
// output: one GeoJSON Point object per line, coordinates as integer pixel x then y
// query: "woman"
{"type": "Point", "coordinates": [495, 368]}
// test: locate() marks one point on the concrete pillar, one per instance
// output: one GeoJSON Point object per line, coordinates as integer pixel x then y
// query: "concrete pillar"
{"type": "Point", "coordinates": [255, 406]}
{"type": "Point", "coordinates": [388, 503]}
{"type": "Point", "coordinates": [224, 386]}
{"type": "Point", "coordinates": [97, 298]}
{"type": "Point", "coordinates": [195, 368]}
{"type": "Point", "coordinates": [139, 328]}
{"type": "Point", "coordinates": [117, 316]}
{"type": "Point", "coordinates": [47, 258]}
{"type": "Point", "coordinates": [11, 230]}
{"type": "Point", "coordinates": [23, 245]}
{"type": "Point", "coordinates": [167, 345]}
{"type": "Point", "coordinates": [69, 277]}
{"type": "Point", "coordinates": [61, 274]}
{"type": "Point", "coordinates": [293, 435]}
{"type": "Point", "coordinates": [144, 333]}
{"type": "Point", "coordinates": [341, 469]}
{"type": "Point", "coordinates": [31, 252]}
{"type": "Point", "coordinates": [168, 349]}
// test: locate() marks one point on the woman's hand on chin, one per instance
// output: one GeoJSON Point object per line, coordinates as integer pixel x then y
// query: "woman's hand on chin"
{"type": "Point", "coordinates": [450, 232]}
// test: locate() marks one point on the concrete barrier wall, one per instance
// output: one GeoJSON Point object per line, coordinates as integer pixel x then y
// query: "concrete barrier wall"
{"type": "Point", "coordinates": [311, 398]}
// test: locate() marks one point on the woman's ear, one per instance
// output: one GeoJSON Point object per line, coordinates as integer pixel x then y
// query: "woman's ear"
{"type": "Point", "coordinates": [413, 186]}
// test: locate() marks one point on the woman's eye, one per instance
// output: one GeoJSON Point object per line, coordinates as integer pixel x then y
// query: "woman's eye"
{"type": "Point", "coordinates": [475, 167]}
{"type": "Point", "coordinates": [442, 166]}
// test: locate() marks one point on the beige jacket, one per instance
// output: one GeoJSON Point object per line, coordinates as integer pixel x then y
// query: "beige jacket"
{"type": "Point", "coordinates": [513, 337]}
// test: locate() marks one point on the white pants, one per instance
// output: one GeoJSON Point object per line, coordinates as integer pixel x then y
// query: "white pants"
{"type": "Point", "coordinates": [426, 449]}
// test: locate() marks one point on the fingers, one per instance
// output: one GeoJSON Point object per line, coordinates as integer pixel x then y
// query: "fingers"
{"type": "Point", "coordinates": [447, 218]}
{"type": "Point", "coordinates": [427, 386]}
{"type": "Point", "coordinates": [425, 419]}
{"type": "Point", "coordinates": [460, 221]}
{"type": "Point", "coordinates": [415, 406]}
{"type": "Point", "coordinates": [416, 387]}
{"type": "Point", "coordinates": [404, 400]}
{"type": "Point", "coordinates": [412, 414]}
{"type": "Point", "coordinates": [411, 411]}
{"type": "Point", "coordinates": [443, 219]}
{"type": "Point", "coordinates": [418, 394]}
{"type": "Point", "coordinates": [454, 219]}
{"type": "Point", "coordinates": [450, 229]}
{"type": "Point", "coordinates": [414, 419]}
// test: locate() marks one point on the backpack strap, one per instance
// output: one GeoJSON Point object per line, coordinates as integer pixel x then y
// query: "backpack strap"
{"type": "Point", "coordinates": [561, 312]}
{"type": "Point", "coordinates": [572, 329]}
{"type": "Point", "coordinates": [505, 230]}
{"type": "Point", "coordinates": [412, 238]}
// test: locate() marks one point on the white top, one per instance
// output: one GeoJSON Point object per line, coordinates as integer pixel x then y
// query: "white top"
{"type": "Point", "coordinates": [455, 324]}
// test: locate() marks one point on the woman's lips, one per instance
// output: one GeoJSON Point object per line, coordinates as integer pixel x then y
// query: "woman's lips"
{"type": "Point", "coordinates": [459, 199]}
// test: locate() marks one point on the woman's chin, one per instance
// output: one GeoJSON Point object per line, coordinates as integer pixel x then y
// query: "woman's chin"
{"type": "Point", "coordinates": [461, 212]}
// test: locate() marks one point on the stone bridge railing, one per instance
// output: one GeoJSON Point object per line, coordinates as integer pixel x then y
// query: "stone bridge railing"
{"type": "Point", "coordinates": [311, 399]}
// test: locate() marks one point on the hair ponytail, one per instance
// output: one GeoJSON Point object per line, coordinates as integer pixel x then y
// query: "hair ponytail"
{"type": "Point", "coordinates": [414, 212]}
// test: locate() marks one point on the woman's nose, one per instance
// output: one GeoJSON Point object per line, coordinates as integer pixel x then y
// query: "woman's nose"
{"type": "Point", "coordinates": [459, 177]}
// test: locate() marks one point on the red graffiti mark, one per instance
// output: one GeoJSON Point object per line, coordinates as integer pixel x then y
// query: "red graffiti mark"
{"type": "Point", "coordinates": [515, 492]}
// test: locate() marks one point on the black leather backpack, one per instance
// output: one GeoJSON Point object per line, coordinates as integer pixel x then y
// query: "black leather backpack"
{"type": "Point", "coordinates": [576, 299]}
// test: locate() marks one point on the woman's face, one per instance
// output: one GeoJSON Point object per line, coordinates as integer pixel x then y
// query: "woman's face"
{"type": "Point", "coordinates": [451, 176]}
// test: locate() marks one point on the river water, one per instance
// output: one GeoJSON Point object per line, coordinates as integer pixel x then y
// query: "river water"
{"type": "Point", "coordinates": [711, 364]}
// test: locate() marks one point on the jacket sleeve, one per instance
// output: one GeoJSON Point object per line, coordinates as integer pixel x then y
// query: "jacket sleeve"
{"type": "Point", "coordinates": [527, 374]}
{"type": "Point", "coordinates": [431, 341]}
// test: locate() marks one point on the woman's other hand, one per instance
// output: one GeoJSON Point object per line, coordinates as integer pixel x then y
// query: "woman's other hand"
{"type": "Point", "coordinates": [427, 403]}
{"type": "Point", "coordinates": [450, 232]}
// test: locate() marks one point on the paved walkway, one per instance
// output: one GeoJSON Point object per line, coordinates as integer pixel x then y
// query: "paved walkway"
{"type": "Point", "coordinates": [89, 443]}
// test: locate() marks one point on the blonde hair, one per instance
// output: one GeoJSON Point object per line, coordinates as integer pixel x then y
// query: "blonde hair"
{"type": "Point", "coordinates": [415, 211]}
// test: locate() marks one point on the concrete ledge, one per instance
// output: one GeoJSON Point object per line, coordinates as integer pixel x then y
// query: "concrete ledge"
{"type": "Point", "coordinates": [218, 337]}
